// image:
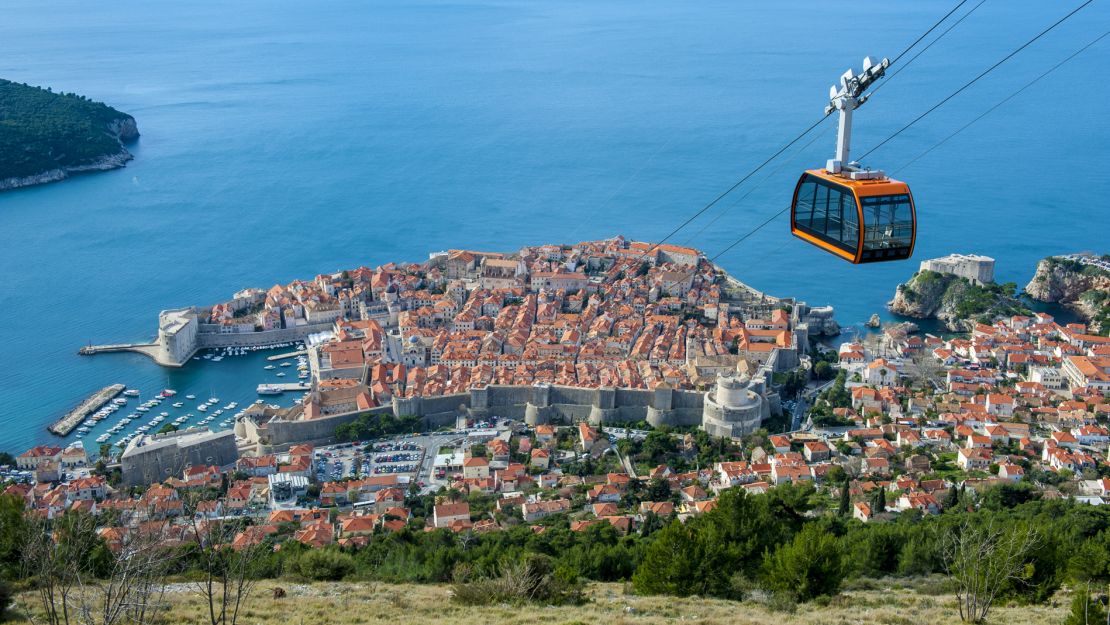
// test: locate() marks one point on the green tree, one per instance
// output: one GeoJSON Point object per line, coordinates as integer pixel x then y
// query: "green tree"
{"type": "Point", "coordinates": [810, 566]}
{"type": "Point", "coordinates": [673, 564]}
{"type": "Point", "coordinates": [12, 529]}
{"type": "Point", "coordinates": [845, 507]}
{"type": "Point", "coordinates": [878, 504]}
{"type": "Point", "coordinates": [1085, 610]}
{"type": "Point", "coordinates": [822, 370]}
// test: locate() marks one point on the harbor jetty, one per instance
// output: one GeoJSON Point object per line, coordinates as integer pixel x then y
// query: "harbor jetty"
{"type": "Point", "coordinates": [277, 357]}
{"type": "Point", "coordinates": [274, 389]}
{"type": "Point", "coordinates": [73, 418]}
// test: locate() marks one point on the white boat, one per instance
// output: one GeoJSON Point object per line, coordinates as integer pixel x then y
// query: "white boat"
{"type": "Point", "coordinates": [217, 359]}
{"type": "Point", "coordinates": [142, 409]}
{"type": "Point", "coordinates": [287, 364]}
{"type": "Point", "coordinates": [190, 397]}
{"type": "Point", "coordinates": [131, 392]}
{"type": "Point", "coordinates": [119, 401]}
{"type": "Point", "coordinates": [143, 428]}
{"type": "Point", "coordinates": [202, 407]}
{"type": "Point", "coordinates": [269, 367]}
{"type": "Point", "coordinates": [213, 400]}
{"type": "Point", "coordinates": [178, 404]}
{"type": "Point", "coordinates": [268, 389]}
{"type": "Point", "coordinates": [218, 411]}
{"type": "Point", "coordinates": [281, 374]}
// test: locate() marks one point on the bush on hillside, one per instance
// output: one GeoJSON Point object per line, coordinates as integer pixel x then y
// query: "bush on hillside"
{"type": "Point", "coordinates": [323, 565]}
{"type": "Point", "coordinates": [529, 580]}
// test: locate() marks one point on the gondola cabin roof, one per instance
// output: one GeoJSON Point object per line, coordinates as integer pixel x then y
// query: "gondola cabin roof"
{"type": "Point", "coordinates": [863, 188]}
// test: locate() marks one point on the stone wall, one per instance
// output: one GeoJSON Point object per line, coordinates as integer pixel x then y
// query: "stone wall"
{"type": "Point", "coordinates": [206, 339]}
{"type": "Point", "coordinates": [152, 459]}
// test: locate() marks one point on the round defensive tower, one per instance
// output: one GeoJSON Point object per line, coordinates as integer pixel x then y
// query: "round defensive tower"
{"type": "Point", "coordinates": [734, 408]}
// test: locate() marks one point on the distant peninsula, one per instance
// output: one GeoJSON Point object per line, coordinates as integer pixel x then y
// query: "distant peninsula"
{"type": "Point", "coordinates": [46, 136]}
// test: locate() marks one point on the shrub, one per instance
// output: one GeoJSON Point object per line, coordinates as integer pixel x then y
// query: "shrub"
{"type": "Point", "coordinates": [323, 565]}
{"type": "Point", "coordinates": [5, 598]}
{"type": "Point", "coordinates": [1085, 609]}
{"type": "Point", "coordinates": [529, 580]}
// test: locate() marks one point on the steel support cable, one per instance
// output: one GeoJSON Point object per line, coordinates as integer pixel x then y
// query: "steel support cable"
{"type": "Point", "coordinates": [977, 78]}
{"type": "Point", "coordinates": [933, 108]}
{"type": "Point", "coordinates": [1006, 99]}
{"type": "Point", "coordinates": [763, 164]}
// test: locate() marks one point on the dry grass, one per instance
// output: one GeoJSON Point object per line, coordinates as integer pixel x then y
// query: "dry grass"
{"type": "Point", "coordinates": [351, 603]}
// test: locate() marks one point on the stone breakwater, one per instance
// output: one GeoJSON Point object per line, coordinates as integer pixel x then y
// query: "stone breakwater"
{"type": "Point", "coordinates": [125, 130]}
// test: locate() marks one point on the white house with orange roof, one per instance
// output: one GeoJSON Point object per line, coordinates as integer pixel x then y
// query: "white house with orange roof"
{"type": "Point", "coordinates": [880, 372]}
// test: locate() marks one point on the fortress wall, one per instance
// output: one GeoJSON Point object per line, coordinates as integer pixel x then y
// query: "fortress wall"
{"type": "Point", "coordinates": [572, 395]}
{"type": "Point", "coordinates": [688, 399]}
{"type": "Point", "coordinates": [633, 397]}
{"type": "Point", "coordinates": [509, 395]}
{"type": "Point", "coordinates": [207, 339]}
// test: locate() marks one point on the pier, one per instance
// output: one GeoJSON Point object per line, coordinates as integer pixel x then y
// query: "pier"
{"type": "Point", "coordinates": [74, 417]}
{"type": "Point", "coordinates": [289, 386]}
{"type": "Point", "coordinates": [276, 357]}
{"type": "Point", "coordinates": [151, 350]}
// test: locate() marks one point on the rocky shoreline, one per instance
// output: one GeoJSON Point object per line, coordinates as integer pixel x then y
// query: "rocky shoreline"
{"type": "Point", "coordinates": [955, 302]}
{"type": "Point", "coordinates": [125, 131]}
{"type": "Point", "coordinates": [1084, 290]}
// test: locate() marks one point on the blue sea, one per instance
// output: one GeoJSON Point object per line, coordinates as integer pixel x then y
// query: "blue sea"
{"type": "Point", "coordinates": [285, 139]}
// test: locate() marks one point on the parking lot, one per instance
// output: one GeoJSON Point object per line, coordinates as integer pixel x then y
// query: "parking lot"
{"type": "Point", "coordinates": [404, 455]}
{"type": "Point", "coordinates": [352, 461]}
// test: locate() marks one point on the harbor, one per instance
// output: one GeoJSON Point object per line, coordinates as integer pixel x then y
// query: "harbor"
{"type": "Point", "coordinates": [148, 404]}
{"type": "Point", "coordinates": [73, 418]}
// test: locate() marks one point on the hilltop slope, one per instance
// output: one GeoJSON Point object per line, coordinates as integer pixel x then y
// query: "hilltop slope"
{"type": "Point", "coordinates": [46, 136]}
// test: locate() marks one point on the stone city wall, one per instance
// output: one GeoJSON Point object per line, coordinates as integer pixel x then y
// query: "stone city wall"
{"type": "Point", "coordinates": [209, 339]}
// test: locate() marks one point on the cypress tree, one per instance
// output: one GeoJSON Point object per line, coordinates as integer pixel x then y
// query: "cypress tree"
{"type": "Point", "coordinates": [880, 501]}
{"type": "Point", "coordinates": [845, 498]}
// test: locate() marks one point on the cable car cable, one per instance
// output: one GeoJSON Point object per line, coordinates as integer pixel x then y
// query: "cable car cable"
{"type": "Point", "coordinates": [976, 79]}
{"type": "Point", "coordinates": [1006, 99]}
{"type": "Point", "coordinates": [926, 33]}
{"type": "Point", "coordinates": [933, 108]}
{"type": "Point", "coordinates": [926, 48]}
{"type": "Point", "coordinates": [751, 190]}
{"type": "Point", "coordinates": [763, 164]}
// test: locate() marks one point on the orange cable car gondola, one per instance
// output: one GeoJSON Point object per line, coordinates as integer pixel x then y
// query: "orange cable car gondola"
{"type": "Point", "coordinates": [857, 214]}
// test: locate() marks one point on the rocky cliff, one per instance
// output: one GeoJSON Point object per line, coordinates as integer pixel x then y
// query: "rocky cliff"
{"type": "Point", "coordinates": [1083, 288]}
{"type": "Point", "coordinates": [955, 302]}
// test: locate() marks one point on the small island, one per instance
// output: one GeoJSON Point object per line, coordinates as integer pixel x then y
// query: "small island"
{"type": "Point", "coordinates": [958, 291]}
{"type": "Point", "coordinates": [46, 136]}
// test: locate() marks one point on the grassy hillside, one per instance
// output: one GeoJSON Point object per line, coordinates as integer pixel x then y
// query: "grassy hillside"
{"type": "Point", "coordinates": [342, 603]}
{"type": "Point", "coordinates": [41, 130]}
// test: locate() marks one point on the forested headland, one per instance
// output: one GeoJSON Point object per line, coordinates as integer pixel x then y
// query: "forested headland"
{"type": "Point", "coordinates": [46, 136]}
